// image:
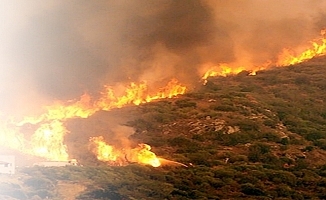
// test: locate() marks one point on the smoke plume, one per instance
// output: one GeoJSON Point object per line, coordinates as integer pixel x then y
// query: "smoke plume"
{"type": "Point", "coordinates": [59, 49]}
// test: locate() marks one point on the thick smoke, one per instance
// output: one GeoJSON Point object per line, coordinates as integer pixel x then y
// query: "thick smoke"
{"type": "Point", "coordinates": [59, 49]}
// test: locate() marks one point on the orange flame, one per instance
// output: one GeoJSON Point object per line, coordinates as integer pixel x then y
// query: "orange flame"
{"type": "Point", "coordinates": [318, 48]}
{"type": "Point", "coordinates": [108, 153]}
{"type": "Point", "coordinates": [48, 139]}
{"type": "Point", "coordinates": [142, 154]}
{"type": "Point", "coordinates": [221, 70]}
{"type": "Point", "coordinates": [286, 58]}
{"type": "Point", "coordinates": [102, 150]}
{"type": "Point", "coordinates": [137, 94]}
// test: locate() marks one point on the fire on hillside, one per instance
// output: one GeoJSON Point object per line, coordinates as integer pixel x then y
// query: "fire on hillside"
{"type": "Point", "coordinates": [135, 47]}
{"type": "Point", "coordinates": [287, 57]}
{"type": "Point", "coordinates": [48, 139]}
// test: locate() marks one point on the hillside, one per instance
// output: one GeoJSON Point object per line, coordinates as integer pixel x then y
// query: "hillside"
{"type": "Point", "coordinates": [241, 137]}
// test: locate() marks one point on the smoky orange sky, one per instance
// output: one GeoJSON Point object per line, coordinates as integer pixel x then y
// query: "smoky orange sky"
{"type": "Point", "coordinates": [58, 49]}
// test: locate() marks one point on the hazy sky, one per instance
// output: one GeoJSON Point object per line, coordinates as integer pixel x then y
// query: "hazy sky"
{"type": "Point", "coordinates": [58, 49]}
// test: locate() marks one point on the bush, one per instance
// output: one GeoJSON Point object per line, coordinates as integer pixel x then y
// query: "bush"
{"type": "Point", "coordinates": [250, 189]}
{"type": "Point", "coordinates": [270, 123]}
{"type": "Point", "coordinates": [225, 108]}
{"type": "Point", "coordinates": [184, 103]}
{"type": "Point", "coordinates": [247, 125]}
{"type": "Point", "coordinates": [321, 143]}
{"type": "Point", "coordinates": [256, 151]}
{"type": "Point", "coordinates": [284, 191]}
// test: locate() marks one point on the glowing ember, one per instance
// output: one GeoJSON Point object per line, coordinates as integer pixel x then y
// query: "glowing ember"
{"type": "Point", "coordinates": [108, 153]}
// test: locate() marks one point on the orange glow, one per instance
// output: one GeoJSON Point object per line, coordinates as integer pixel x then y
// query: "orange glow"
{"type": "Point", "coordinates": [317, 48]}
{"type": "Point", "coordinates": [108, 153]}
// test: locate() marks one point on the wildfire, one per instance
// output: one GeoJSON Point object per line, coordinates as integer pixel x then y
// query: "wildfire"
{"type": "Point", "coordinates": [142, 154]}
{"type": "Point", "coordinates": [285, 58]}
{"type": "Point", "coordinates": [318, 48]}
{"type": "Point", "coordinates": [221, 70]}
{"type": "Point", "coordinates": [108, 153]}
{"type": "Point", "coordinates": [102, 150]}
{"type": "Point", "coordinates": [224, 70]}
{"type": "Point", "coordinates": [48, 139]}
{"type": "Point", "coordinates": [137, 94]}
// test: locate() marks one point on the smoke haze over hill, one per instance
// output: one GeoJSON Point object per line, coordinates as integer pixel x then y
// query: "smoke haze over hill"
{"type": "Point", "coordinates": [60, 49]}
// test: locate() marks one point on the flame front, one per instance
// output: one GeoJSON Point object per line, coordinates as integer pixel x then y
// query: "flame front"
{"type": "Point", "coordinates": [137, 94]}
{"type": "Point", "coordinates": [220, 70]}
{"type": "Point", "coordinates": [48, 139]}
{"type": "Point", "coordinates": [108, 153]}
{"type": "Point", "coordinates": [318, 48]}
{"type": "Point", "coordinates": [285, 58]}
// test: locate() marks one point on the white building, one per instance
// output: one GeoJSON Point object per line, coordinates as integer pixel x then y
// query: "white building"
{"type": "Point", "coordinates": [7, 164]}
